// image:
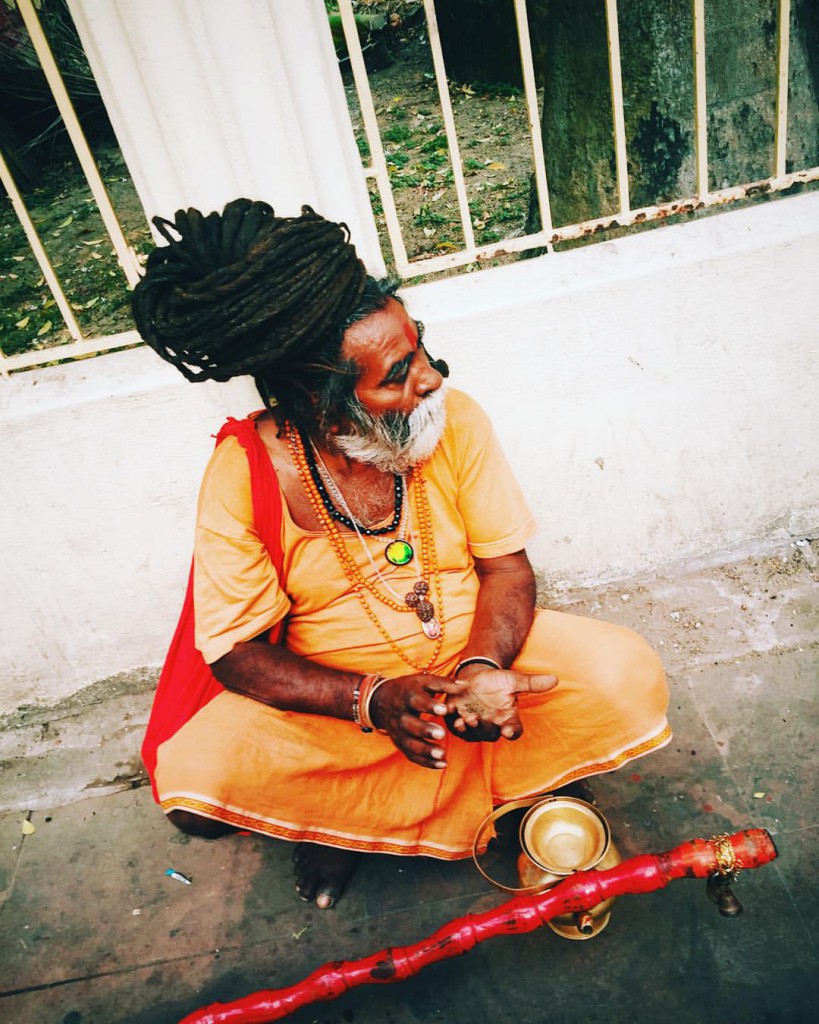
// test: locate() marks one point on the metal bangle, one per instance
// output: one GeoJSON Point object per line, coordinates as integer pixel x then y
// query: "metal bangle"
{"type": "Point", "coordinates": [364, 711]}
{"type": "Point", "coordinates": [357, 704]}
{"type": "Point", "coordinates": [477, 660]}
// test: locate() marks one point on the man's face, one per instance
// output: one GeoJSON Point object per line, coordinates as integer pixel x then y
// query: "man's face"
{"type": "Point", "coordinates": [397, 414]}
{"type": "Point", "coordinates": [395, 374]}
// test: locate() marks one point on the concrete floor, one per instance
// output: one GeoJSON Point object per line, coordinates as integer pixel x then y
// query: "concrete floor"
{"type": "Point", "coordinates": [93, 931]}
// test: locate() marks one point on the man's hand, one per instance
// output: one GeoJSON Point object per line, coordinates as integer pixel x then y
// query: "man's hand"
{"type": "Point", "coordinates": [397, 707]}
{"type": "Point", "coordinates": [491, 699]}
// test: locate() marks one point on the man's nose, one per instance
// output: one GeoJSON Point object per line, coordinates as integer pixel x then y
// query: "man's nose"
{"type": "Point", "coordinates": [429, 379]}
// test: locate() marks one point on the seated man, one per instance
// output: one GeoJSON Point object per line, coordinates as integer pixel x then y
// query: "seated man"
{"type": "Point", "coordinates": [385, 677]}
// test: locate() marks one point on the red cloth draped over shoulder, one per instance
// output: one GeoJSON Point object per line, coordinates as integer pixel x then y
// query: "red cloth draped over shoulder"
{"type": "Point", "coordinates": [186, 682]}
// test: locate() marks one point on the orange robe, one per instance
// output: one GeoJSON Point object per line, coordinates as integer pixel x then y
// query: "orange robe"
{"type": "Point", "coordinates": [310, 777]}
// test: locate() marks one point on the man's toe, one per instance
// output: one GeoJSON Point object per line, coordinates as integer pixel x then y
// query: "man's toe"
{"type": "Point", "coordinates": [326, 898]}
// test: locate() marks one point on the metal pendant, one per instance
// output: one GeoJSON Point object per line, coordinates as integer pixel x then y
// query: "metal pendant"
{"type": "Point", "coordinates": [431, 628]}
{"type": "Point", "coordinates": [399, 552]}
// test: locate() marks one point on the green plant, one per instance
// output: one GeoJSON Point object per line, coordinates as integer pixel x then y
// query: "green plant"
{"type": "Point", "coordinates": [433, 161]}
{"type": "Point", "coordinates": [397, 133]}
{"type": "Point", "coordinates": [427, 217]}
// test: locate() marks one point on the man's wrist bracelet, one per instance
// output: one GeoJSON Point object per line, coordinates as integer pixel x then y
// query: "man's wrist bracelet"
{"type": "Point", "coordinates": [357, 702]}
{"type": "Point", "coordinates": [477, 660]}
{"type": "Point", "coordinates": [367, 723]}
{"type": "Point", "coordinates": [362, 698]}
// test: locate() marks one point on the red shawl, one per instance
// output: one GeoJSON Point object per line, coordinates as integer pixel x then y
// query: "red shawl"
{"type": "Point", "coordinates": [186, 682]}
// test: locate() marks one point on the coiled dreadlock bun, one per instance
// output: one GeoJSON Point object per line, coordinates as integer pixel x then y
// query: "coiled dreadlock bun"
{"type": "Point", "coordinates": [247, 292]}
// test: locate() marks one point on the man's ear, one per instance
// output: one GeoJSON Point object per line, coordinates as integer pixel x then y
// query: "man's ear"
{"type": "Point", "coordinates": [439, 365]}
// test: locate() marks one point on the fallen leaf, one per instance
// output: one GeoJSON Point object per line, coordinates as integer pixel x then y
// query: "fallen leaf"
{"type": "Point", "coordinates": [18, 259]}
{"type": "Point", "coordinates": [496, 166]}
{"type": "Point", "coordinates": [28, 828]}
{"type": "Point", "coordinates": [45, 328]}
{"type": "Point", "coordinates": [23, 322]}
{"type": "Point", "coordinates": [94, 241]}
{"type": "Point", "coordinates": [67, 221]}
{"type": "Point", "coordinates": [758, 796]}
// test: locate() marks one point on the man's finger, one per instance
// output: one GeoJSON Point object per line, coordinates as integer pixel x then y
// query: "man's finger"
{"type": "Point", "coordinates": [534, 684]}
{"type": "Point", "coordinates": [454, 687]}
{"type": "Point", "coordinates": [512, 731]}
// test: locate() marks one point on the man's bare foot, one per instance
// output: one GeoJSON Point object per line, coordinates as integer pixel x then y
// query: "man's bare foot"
{"type": "Point", "coordinates": [322, 872]}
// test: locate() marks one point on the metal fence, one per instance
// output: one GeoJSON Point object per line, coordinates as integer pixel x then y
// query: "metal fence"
{"type": "Point", "coordinates": [472, 251]}
{"type": "Point", "coordinates": [126, 257]}
{"type": "Point", "coordinates": [549, 235]}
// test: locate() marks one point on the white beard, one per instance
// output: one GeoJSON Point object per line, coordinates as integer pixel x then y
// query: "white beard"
{"type": "Point", "coordinates": [394, 444]}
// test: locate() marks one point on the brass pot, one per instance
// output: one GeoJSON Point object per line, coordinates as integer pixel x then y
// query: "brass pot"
{"type": "Point", "coordinates": [558, 836]}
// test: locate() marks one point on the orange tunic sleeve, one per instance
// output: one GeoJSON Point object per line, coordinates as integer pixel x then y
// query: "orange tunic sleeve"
{"type": "Point", "coordinates": [236, 590]}
{"type": "Point", "coordinates": [493, 507]}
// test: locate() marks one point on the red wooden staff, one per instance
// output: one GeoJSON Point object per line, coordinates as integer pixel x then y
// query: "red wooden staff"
{"type": "Point", "coordinates": [721, 856]}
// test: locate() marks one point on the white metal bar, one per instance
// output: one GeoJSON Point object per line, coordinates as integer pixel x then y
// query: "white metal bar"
{"type": "Point", "coordinates": [378, 163]}
{"type": "Point", "coordinates": [617, 110]}
{"type": "Point", "coordinates": [530, 90]}
{"type": "Point", "coordinates": [585, 229]}
{"type": "Point", "coordinates": [700, 102]}
{"type": "Point", "coordinates": [74, 350]}
{"type": "Point", "coordinates": [37, 248]}
{"type": "Point", "coordinates": [449, 123]}
{"type": "Point", "coordinates": [125, 254]}
{"type": "Point", "coordinates": [783, 61]}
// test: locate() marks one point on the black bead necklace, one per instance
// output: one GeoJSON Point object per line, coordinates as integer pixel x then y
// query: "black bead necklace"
{"type": "Point", "coordinates": [398, 489]}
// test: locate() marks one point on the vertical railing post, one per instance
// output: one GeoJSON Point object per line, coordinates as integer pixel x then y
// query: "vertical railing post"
{"type": "Point", "coordinates": [378, 163]}
{"type": "Point", "coordinates": [782, 65]}
{"type": "Point", "coordinates": [37, 248]}
{"type": "Point", "coordinates": [617, 110]}
{"type": "Point", "coordinates": [125, 254]}
{"type": "Point", "coordinates": [449, 123]}
{"type": "Point", "coordinates": [535, 130]}
{"type": "Point", "coordinates": [700, 102]}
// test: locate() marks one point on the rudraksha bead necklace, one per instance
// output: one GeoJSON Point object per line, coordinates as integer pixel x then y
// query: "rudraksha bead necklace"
{"type": "Point", "coordinates": [360, 583]}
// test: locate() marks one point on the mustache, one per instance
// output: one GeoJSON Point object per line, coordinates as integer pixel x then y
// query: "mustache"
{"type": "Point", "coordinates": [395, 442]}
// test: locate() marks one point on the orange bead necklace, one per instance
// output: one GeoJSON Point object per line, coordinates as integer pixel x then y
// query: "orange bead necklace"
{"type": "Point", "coordinates": [418, 600]}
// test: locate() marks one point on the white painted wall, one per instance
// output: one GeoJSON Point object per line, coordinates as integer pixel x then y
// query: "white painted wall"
{"type": "Point", "coordinates": [684, 359]}
{"type": "Point", "coordinates": [660, 394]}
{"type": "Point", "coordinates": [657, 394]}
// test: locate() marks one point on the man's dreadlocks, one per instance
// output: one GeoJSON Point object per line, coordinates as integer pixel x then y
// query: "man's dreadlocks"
{"type": "Point", "coordinates": [247, 292]}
